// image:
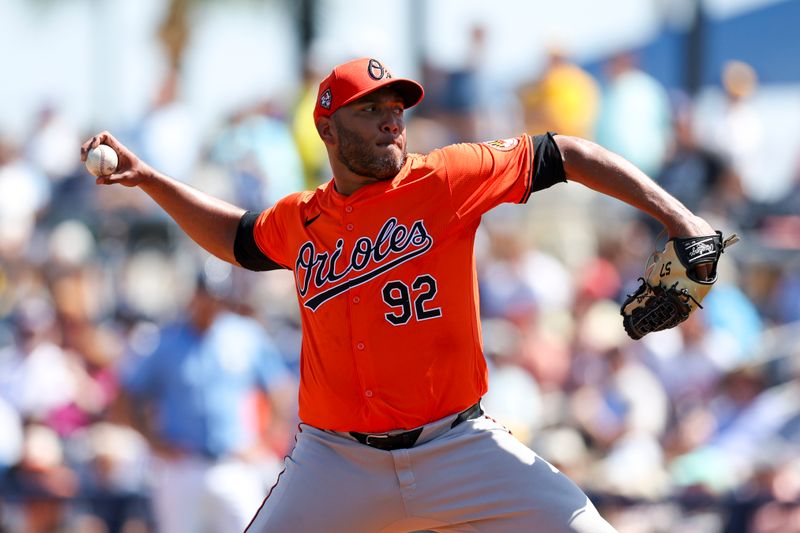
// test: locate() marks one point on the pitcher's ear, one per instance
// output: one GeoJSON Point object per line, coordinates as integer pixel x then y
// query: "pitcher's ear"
{"type": "Point", "coordinates": [326, 130]}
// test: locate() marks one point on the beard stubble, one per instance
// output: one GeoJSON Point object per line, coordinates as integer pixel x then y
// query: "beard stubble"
{"type": "Point", "coordinates": [354, 152]}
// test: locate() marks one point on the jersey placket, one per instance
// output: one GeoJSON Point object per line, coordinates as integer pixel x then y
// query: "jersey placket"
{"type": "Point", "coordinates": [359, 320]}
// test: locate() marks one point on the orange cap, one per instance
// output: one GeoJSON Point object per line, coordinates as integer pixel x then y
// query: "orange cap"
{"type": "Point", "coordinates": [352, 80]}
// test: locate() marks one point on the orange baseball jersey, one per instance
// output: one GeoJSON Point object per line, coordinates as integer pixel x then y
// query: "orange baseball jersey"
{"type": "Point", "coordinates": [387, 285]}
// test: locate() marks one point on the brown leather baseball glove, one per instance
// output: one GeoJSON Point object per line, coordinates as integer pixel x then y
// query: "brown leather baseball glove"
{"type": "Point", "coordinates": [671, 287]}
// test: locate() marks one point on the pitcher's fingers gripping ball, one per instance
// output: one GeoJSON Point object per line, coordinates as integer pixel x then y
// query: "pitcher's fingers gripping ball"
{"type": "Point", "coordinates": [672, 287]}
{"type": "Point", "coordinates": [101, 160]}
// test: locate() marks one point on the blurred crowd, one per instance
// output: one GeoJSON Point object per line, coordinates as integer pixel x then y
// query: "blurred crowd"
{"type": "Point", "coordinates": [143, 382]}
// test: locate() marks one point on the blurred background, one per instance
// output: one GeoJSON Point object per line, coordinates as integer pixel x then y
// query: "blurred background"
{"type": "Point", "coordinates": [696, 429]}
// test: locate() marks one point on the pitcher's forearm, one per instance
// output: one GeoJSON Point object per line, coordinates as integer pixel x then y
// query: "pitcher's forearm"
{"type": "Point", "coordinates": [611, 174]}
{"type": "Point", "coordinates": [209, 221]}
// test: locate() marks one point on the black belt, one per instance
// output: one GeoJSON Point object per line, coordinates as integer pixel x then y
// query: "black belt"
{"type": "Point", "coordinates": [407, 439]}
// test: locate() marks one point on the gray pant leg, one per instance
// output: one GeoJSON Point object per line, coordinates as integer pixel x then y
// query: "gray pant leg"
{"type": "Point", "coordinates": [478, 477]}
{"type": "Point", "coordinates": [331, 485]}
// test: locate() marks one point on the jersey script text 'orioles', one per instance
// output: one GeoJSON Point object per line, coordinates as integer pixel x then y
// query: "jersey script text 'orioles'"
{"type": "Point", "coordinates": [387, 285]}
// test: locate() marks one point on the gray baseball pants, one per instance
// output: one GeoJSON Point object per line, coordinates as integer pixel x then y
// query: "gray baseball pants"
{"type": "Point", "coordinates": [474, 477]}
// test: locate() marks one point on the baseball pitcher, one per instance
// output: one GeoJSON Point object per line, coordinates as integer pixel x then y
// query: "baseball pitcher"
{"type": "Point", "coordinates": [393, 437]}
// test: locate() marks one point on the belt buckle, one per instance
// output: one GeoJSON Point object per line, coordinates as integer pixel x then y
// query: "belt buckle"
{"type": "Point", "coordinates": [379, 436]}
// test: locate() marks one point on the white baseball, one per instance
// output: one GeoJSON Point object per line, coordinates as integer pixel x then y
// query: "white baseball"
{"type": "Point", "coordinates": [101, 161]}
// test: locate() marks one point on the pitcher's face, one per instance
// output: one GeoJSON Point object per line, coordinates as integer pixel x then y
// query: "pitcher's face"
{"type": "Point", "coordinates": [371, 134]}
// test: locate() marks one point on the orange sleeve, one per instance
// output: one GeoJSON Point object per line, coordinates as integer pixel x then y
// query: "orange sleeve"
{"type": "Point", "coordinates": [483, 175]}
{"type": "Point", "coordinates": [274, 229]}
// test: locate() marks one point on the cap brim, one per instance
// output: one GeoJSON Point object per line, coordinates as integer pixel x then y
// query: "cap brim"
{"type": "Point", "coordinates": [411, 91]}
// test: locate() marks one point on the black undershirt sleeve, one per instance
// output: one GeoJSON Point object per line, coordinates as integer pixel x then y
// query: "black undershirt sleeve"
{"type": "Point", "coordinates": [549, 165]}
{"type": "Point", "coordinates": [245, 249]}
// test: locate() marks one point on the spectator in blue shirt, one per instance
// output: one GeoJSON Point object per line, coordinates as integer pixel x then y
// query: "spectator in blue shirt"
{"type": "Point", "coordinates": [194, 399]}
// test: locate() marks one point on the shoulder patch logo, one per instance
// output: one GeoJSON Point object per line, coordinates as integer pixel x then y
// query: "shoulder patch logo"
{"type": "Point", "coordinates": [503, 145]}
{"type": "Point", "coordinates": [325, 99]}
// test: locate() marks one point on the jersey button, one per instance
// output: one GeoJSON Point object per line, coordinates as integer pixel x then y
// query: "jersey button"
{"type": "Point", "coordinates": [356, 299]}
{"type": "Point", "coordinates": [361, 345]}
{"type": "Point", "coordinates": [368, 393]}
{"type": "Point", "coordinates": [350, 227]}
{"type": "Point", "coordinates": [349, 209]}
